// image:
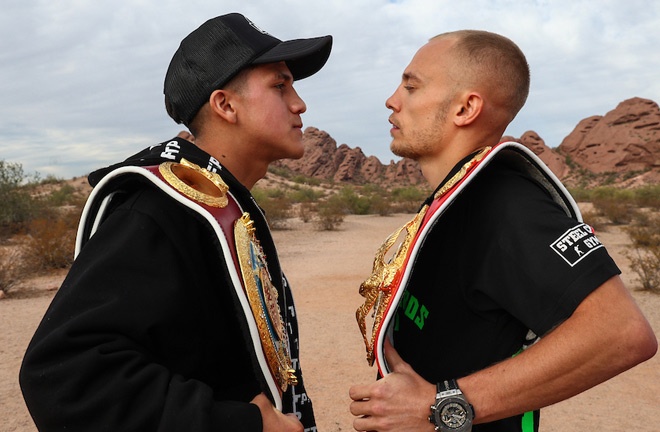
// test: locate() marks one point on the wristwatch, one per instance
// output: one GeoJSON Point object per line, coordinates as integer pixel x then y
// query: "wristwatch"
{"type": "Point", "coordinates": [451, 411]}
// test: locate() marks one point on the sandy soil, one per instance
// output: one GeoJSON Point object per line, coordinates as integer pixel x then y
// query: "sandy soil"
{"type": "Point", "coordinates": [325, 269]}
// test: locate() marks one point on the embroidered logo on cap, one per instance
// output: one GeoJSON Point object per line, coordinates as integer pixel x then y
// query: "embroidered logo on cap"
{"type": "Point", "coordinates": [576, 243]}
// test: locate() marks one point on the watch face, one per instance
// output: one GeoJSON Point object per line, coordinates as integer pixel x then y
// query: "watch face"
{"type": "Point", "coordinates": [453, 415]}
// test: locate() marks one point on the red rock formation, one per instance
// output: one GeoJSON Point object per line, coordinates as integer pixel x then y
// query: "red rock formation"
{"type": "Point", "coordinates": [625, 139]}
{"type": "Point", "coordinates": [551, 158]}
{"type": "Point", "coordinates": [323, 159]}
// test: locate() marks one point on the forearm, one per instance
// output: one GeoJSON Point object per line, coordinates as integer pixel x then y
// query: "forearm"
{"type": "Point", "coordinates": [605, 336]}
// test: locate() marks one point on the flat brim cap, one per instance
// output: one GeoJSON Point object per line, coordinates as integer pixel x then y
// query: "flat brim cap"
{"type": "Point", "coordinates": [304, 57]}
{"type": "Point", "coordinates": [209, 57]}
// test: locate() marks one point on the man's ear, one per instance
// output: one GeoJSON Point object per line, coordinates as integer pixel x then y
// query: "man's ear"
{"type": "Point", "coordinates": [221, 103]}
{"type": "Point", "coordinates": [469, 109]}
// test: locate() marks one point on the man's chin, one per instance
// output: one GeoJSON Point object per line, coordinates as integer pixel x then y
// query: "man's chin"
{"type": "Point", "coordinates": [402, 151]}
{"type": "Point", "coordinates": [295, 155]}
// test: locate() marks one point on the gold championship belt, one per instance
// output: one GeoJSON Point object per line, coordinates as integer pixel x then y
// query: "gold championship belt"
{"type": "Point", "coordinates": [388, 270]}
{"type": "Point", "coordinates": [208, 188]}
{"type": "Point", "coordinates": [263, 296]}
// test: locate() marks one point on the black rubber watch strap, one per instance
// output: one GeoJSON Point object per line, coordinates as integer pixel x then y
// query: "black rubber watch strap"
{"type": "Point", "coordinates": [446, 385]}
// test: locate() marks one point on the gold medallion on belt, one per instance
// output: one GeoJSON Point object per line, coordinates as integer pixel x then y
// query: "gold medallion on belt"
{"type": "Point", "coordinates": [195, 182]}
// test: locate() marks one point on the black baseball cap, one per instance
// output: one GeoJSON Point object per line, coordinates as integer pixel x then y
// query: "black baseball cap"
{"type": "Point", "coordinates": [214, 53]}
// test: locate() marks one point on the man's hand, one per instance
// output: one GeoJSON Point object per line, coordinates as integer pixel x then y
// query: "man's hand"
{"type": "Point", "coordinates": [273, 419]}
{"type": "Point", "coordinates": [401, 401]}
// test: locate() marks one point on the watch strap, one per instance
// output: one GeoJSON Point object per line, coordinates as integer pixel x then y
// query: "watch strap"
{"type": "Point", "coordinates": [447, 388]}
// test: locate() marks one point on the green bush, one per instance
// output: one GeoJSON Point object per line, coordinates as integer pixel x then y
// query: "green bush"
{"type": "Point", "coordinates": [408, 199]}
{"type": "Point", "coordinates": [580, 194]}
{"type": "Point", "coordinates": [305, 195]}
{"type": "Point", "coordinates": [18, 206]}
{"type": "Point", "coordinates": [648, 196]}
{"type": "Point", "coordinates": [64, 195]}
{"type": "Point", "coordinates": [302, 179]}
{"type": "Point", "coordinates": [280, 171]}
{"type": "Point", "coordinates": [275, 204]}
{"type": "Point", "coordinates": [351, 202]}
{"type": "Point", "coordinates": [617, 205]}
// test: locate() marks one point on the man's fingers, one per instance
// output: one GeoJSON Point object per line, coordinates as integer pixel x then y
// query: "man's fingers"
{"type": "Point", "coordinates": [359, 392]}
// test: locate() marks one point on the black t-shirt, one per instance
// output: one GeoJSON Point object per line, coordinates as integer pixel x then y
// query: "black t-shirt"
{"type": "Point", "coordinates": [503, 258]}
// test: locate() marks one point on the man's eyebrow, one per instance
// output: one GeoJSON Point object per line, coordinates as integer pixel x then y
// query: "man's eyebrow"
{"type": "Point", "coordinates": [410, 76]}
{"type": "Point", "coordinates": [284, 76]}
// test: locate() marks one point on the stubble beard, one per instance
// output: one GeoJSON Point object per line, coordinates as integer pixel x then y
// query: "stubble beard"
{"type": "Point", "coordinates": [423, 142]}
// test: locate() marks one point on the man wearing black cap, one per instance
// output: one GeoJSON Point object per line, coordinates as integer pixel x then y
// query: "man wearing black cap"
{"type": "Point", "coordinates": [176, 314]}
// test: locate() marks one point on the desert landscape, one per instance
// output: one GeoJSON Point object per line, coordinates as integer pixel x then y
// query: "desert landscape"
{"type": "Point", "coordinates": [325, 269]}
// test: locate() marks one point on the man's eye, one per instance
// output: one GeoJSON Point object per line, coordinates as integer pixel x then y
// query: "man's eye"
{"type": "Point", "coordinates": [409, 87]}
{"type": "Point", "coordinates": [280, 86]}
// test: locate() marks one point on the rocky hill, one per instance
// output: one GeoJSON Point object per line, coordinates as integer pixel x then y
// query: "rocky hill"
{"type": "Point", "coordinates": [324, 160]}
{"type": "Point", "coordinates": [622, 148]}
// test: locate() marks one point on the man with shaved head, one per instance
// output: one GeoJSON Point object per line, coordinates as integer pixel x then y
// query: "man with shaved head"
{"type": "Point", "coordinates": [499, 299]}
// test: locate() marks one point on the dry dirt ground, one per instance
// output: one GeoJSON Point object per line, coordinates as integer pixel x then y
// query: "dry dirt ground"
{"type": "Point", "coordinates": [325, 269]}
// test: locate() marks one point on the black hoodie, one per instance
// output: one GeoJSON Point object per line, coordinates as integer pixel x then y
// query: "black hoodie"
{"type": "Point", "coordinates": [146, 332]}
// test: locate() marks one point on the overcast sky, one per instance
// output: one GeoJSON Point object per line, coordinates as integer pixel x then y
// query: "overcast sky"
{"type": "Point", "coordinates": [81, 81]}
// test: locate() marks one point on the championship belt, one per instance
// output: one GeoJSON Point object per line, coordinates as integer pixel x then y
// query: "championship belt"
{"type": "Point", "coordinates": [206, 193]}
{"type": "Point", "coordinates": [391, 272]}
{"type": "Point", "coordinates": [262, 295]}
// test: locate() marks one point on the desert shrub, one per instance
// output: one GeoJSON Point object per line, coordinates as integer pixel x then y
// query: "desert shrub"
{"type": "Point", "coordinates": [18, 206]}
{"type": "Point", "coordinates": [12, 267]}
{"type": "Point", "coordinates": [259, 194]}
{"type": "Point", "coordinates": [580, 194]}
{"type": "Point", "coordinates": [330, 213]}
{"type": "Point", "coordinates": [302, 179]}
{"type": "Point", "coordinates": [305, 195]}
{"type": "Point", "coordinates": [280, 171]}
{"type": "Point", "coordinates": [306, 211]}
{"type": "Point", "coordinates": [276, 205]}
{"type": "Point", "coordinates": [50, 244]}
{"type": "Point", "coordinates": [408, 199]}
{"type": "Point", "coordinates": [617, 205]}
{"type": "Point", "coordinates": [595, 219]}
{"type": "Point", "coordinates": [380, 205]}
{"type": "Point", "coordinates": [648, 196]}
{"type": "Point", "coordinates": [277, 210]}
{"type": "Point", "coordinates": [644, 252]}
{"type": "Point", "coordinates": [351, 201]}
{"type": "Point", "coordinates": [65, 195]}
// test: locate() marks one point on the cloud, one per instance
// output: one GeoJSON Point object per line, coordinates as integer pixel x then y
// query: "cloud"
{"type": "Point", "coordinates": [81, 82]}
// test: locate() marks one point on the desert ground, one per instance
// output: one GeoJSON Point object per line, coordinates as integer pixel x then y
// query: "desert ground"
{"type": "Point", "coordinates": [325, 269]}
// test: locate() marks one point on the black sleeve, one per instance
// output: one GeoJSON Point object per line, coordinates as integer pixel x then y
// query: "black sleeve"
{"type": "Point", "coordinates": [140, 336]}
{"type": "Point", "coordinates": [519, 266]}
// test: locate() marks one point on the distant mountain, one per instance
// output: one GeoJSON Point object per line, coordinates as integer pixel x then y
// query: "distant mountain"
{"type": "Point", "coordinates": [324, 160]}
{"type": "Point", "coordinates": [622, 148]}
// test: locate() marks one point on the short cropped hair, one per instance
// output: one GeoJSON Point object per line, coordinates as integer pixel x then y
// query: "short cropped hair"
{"type": "Point", "coordinates": [236, 84]}
{"type": "Point", "coordinates": [495, 61]}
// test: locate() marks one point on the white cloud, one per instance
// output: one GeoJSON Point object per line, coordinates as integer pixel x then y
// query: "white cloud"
{"type": "Point", "coordinates": [81, 82]}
